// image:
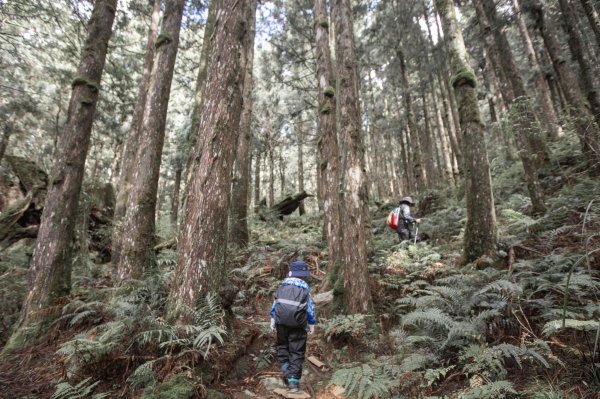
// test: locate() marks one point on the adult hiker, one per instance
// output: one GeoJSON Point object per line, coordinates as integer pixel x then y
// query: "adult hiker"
{"type": "Point", "coordinates": [405, 220]}
{"type": "Point", "coordinates": [292, 313]}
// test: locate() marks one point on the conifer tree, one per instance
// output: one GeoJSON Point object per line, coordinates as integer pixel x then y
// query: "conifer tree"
{"type": "Point", "coordinates": [137, 246]}
{"type": "Point", "coordinates": [480, 232]}
{"type": "Point", "coordinates": [203, 241]}
{"type": "Point", "coordinates": [50, 267]}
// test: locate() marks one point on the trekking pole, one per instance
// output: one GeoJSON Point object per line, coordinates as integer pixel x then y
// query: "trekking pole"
{"type": "Point", "coordinates": [416, 234]}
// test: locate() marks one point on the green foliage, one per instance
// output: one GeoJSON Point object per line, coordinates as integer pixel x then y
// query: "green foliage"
{"type": "Point", "coordinates": [365, 381]}
{"type": "Point", "coordinates": [555, 326]}
{"type": "Point", "coordinates": [492, 390]}
{"type": "Point", "coordinates": [344, 327]}
{"type": "Point", "coordinates": [82, 390]}
{"type": "Point", "coordinates": [177, 387]}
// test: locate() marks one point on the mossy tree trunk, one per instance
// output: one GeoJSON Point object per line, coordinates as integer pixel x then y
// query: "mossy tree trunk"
{"type": "Point", "coordinates": [549, 118]}
{"type": "Point", "coordinates": [50, 267]}
{"type": "Point", "coordinates": [533, 150]}
{"type": "Point", "coordinates": [128, 164]}
{"type": "Point", "coordinates": [356, 292]}
{"type": "Point", "coordinates": [328, 148]}
{"type": "Point", "coordinates": [239, 232]}
{"type": "Point", "coordinates": [568, 81]}
{"type": "Point", "coordinates": [379, 171]}
{"type": "Point", "coordinates": [175, 195]}
{"type": "Point", "coordinates": [203, 239]}
{"type": "Point", "coordinates": [137, 246]}
{"type": "Point", "coordinates": [480, 232]}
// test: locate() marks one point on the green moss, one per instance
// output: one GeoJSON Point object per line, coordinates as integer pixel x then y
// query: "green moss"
{"type": "Point", "coordinates": [323, 164]}
{"type": "Point", "coordinates": [326, 109]}
{"type": "Point", "coordinates": [464, 76]}
{"type": "Point", "coordinates": [163, 38]}
{"type": "Point", "coordinates": [80, 80]}
{"type": "Point", "coordinates": [329, 92]}
{"type": "Point", "coordinates": [324, 23]}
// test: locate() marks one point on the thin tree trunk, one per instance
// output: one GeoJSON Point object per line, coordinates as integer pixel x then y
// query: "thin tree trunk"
{"type": "Point", "coordinates": [271, 175]}
{"type": "Point", "coordinates": [257, 160]}
{"type": "Point", "coordinates": [544, 99]}
{"type": "Point", "coordinates": [377, 167]}
{"type": "Point", "coordinates": [137, 246]}
{"type": "Point", "coordinates": [356, 292]}
{"type": "Point", "coordinates": [202, 245]}
{"type": "Point", "coordinates": [328, 147]}
{"type": "Point", "coordinates": [576, 46]}
{"type": "Point", "coordinates": [50, 267]}
{"type": "Point", "coordinates": [585, 129]}
{"type": "Point", "coordinates": [239, 232]}
{"type": "Point", "coordinates": [480, 232]}
{"type": "Point", "coordinates": [419, 172]}
{"type": "Point", "coordinates": [534, 152]}
{"type": "Point", "coordinates": [128, 164]}
{"type": "Point", "coordinates": [175, 196]}
{"type": "Point", "coordinates": [281, 173]}
{"type": "Point", "coordinates": [593, 18]}
{"type": "Point", "coordinates": [301, 209]}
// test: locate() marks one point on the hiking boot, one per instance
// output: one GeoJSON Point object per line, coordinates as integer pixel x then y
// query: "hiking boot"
{"type": "Point", "coordinates": [293, 385]}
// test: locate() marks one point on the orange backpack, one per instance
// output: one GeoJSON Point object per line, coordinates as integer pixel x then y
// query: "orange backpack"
{"type": "Point", "coordinates": [392, 219]}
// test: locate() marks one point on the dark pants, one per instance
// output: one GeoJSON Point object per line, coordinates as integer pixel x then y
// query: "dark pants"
{"type": "Point", "coordinates": [291, 345]}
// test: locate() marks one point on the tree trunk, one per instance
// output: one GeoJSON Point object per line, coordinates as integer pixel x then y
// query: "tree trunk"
{"type": "Point", "coordinates": [328, 142]}
{"type": "Point", "coordinates": [257, 160]}
{"type": "Point", "coordinates": [128, 164]}
{"type": "Point", "coordinates": [480, 232]}
{"type": "Point", "coordinates": [356, 292]}
{"type": "Point", "coordinates": [419, 172]}
{"type": "Point", "coordinates": [137, 246]}
{"type": "Point", "coordinates": [240, 194]}
{"type": "Point", "coordinates": [301, 209]}
{"type": "Point", "coordinates": [281, 172]}
{"type": "Point", "coordinates": [50, 267]}
{"type": "Point", "coordinates": [378, 177]}
{"type": "Point", "coordinates": [203, 242]}
{"type": "Point", "coordinates": [271, 174]}
{"type": "Point", "coordinates": [544, 99]}
{"type": "Point", "coordinates": [192, 139]}
{"type": "Point", "coordinates": [568, 81]}
{"type": "Point", "coordinates": [592, 16]}
{"type": "Point", "coordinates": [576, 46]}
{"type": "Point", "coordinates": [533, 152]}
{"type": "Point", "coordinates": [175, 196]}
{"type": "Point", "coordinates": [6, 132]}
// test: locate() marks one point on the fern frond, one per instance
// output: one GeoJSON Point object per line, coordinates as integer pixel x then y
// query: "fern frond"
{"type": "Point", "coordinates": [64, 390]}
{"type": "Point", "coordinates": [554, 326]}
{"type": "Point", "coordinates": [428, 317]}
{"type": "Point", "coordinates": [492, 390]}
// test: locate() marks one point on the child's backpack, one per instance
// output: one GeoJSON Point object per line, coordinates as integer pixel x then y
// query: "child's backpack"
{"type": "Point", "coordinates": [292, 305]}
{"type": "Point", "coordinates": [392, 219]}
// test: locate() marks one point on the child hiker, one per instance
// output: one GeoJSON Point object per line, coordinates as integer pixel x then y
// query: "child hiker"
{"type": "Point", "coordinates": [292, 312]}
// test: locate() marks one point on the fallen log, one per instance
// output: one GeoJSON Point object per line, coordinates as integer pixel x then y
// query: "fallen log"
{"type": "Point", "coordinates": [284, 207]}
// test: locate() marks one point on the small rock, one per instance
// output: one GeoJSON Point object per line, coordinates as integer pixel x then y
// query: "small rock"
{"type": "Point", "coordinates": [323, 298]}
{"type": "Point", "coordinates": [272, 383]}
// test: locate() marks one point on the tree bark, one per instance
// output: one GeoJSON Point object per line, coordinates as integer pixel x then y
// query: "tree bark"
{"type": "Point", "coordinates": [239, 232]}
{"type": "Point", "coordinates": [203, 242]}
{"type": "Point", "coordinates": [175, 196]}
{"type": "Point", "coordinates": [50, 268]}
{"type": "Point", "coordinates": [137, 246]}
{"type": "Point", "coordinates": [356, 292]}
{"type": "Point", "coordinates": [300, 134]}
{"type": "Point", "coordinates": [128, 164]}
{"type": "Point", "coordinates": [480, 232]}
{"type": "Point", "coordinates": [257, 160]}
{"type": "Point", "coordinates": [328, 147]}
{"type": "Point", "coordinates": [192, 140]}
{"type": "Point", "coordinates": [544, 98]}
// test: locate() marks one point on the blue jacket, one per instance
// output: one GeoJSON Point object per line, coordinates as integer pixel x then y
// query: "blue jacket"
{"type": "Point", "coordinates": [310, 310]}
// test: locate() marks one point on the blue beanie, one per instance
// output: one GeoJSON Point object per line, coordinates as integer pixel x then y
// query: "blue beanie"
{"type": "Point", "coordinates": [299, 268]}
